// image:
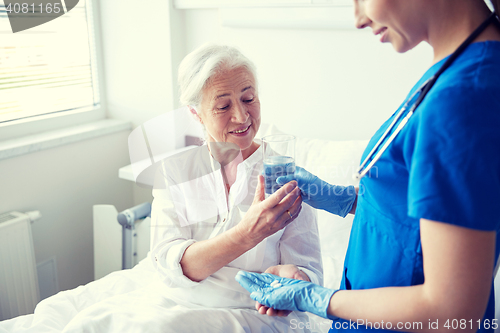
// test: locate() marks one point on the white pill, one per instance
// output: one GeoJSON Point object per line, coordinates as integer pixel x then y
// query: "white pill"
{"type": "Point", "coordinates": [277, 285]}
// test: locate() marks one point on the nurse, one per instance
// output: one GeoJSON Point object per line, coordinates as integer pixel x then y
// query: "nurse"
{"type": "Point", "coordinates": [423, 244]}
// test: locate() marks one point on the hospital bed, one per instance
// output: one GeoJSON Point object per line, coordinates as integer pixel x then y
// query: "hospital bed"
{"type": "Point", "coordinates": [332, 161]}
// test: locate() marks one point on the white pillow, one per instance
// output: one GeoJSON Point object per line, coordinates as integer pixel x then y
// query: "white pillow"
{"type": "Point", "coordinates": [334, 162]}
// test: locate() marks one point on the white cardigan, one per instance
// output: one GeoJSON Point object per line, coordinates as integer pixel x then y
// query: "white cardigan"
{"type": "Point", "coordinates": [190, 205]}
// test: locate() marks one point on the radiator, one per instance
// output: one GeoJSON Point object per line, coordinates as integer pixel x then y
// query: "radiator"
{"type": "Point", "coordinates": [19, 292]}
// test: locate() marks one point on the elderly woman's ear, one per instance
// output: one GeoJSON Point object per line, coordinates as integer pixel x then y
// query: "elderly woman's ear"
{"type": "Point", "coordinates": [195, 113]}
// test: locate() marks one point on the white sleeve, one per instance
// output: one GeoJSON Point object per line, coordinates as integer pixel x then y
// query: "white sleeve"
{"type": "Point", "coordinates": [170, 233]}
{"type": "Point", "coordinates": [299, 245]}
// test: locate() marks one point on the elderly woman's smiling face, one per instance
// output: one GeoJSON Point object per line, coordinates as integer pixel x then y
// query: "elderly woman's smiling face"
{"type": "Point", "coordinates": [230, 109]}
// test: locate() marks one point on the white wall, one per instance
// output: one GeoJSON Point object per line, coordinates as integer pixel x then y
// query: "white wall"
{"type": "Point", "coordinates": [139, 44]}
{"type": "Point", "coordinates": [324, 83]}
{"type": "Point", "coordinates": [63, 183]}
{"type": "Point", "coordinates": [136, 50]}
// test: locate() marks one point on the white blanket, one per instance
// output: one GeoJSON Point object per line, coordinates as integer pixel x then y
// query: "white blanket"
{"type": "Point", "coordinates": [54, 313]}
{"type": "Point", "coordinates": [135, 301]}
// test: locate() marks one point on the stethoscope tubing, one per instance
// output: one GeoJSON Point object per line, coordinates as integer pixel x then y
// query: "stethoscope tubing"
{"type": "Point", "coordinates": [384, 136]}
{"type": "Point", "coordinates": [424, 89]}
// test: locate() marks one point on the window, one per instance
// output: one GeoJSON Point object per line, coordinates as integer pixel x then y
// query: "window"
{"type": "Point", "coordinates": [50, 68]}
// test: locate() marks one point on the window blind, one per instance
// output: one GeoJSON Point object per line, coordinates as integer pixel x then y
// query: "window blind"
{"type": "Point", "coordinates": [49, 68]}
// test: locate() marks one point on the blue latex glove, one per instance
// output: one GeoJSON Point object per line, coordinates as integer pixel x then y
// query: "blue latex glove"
{"type": "Point", "coordinates": [319, 194]}
{"type": "Point", "coordinates": [293, 295]}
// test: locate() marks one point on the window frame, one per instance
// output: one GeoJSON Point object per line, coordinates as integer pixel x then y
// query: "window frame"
{"type": "Point", "coordinates": [57, 120]}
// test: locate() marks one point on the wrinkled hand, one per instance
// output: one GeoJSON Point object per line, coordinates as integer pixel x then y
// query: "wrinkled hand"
{"type": "Point", "coordinates": [292, 295]}
{"type": "Point", "coordinates": [267, 216]}
{"type": "Point", "coordinates": [319, 194]}
{"type": "Point", "coordinates": [287, 271]}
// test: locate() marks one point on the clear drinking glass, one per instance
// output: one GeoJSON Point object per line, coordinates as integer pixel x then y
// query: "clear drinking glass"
{"type": "Point", "coordinates": [279, 159]}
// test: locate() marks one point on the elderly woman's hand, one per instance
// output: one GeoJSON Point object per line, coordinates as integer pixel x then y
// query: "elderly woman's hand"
{"type": "Point", "coordinates": [267, 216]}
{"type": "Point", "coordinates": [286, 271]}
{"type": "Point", "coordinates": [287, 294]}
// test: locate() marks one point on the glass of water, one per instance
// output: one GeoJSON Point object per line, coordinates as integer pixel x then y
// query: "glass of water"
{"type": "Point", "coordinates": [279, 159]}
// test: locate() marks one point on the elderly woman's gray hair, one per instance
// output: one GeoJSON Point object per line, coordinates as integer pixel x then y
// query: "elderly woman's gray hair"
{"type": "Point", "coordinates": [199, 66]}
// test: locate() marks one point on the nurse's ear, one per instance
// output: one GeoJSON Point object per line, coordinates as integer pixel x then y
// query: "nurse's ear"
{"type": "Point", "coordinates": [194, 112]}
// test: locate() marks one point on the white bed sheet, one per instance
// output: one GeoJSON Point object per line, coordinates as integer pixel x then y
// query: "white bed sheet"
{"type": "Point", "coordinates": [54, 313]}
{"type": "Point", "coordinates": [121, 296]}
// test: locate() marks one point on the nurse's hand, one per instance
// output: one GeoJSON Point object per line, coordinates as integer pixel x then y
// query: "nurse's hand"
{"type": "Point", "coordinates": [291, 295]}
{"type": "Point", "coordinates": [317, 193]}
{"type": "Point", "coordinates": [266, 216]}
{"type": "Point", "coordinates": [286, 271]}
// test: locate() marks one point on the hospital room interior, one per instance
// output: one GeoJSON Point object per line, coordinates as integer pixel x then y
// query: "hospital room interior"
{"type": "Point", "coordinates": [103, 105]}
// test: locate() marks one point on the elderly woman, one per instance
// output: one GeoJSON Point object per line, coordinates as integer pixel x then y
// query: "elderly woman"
{"type": "Point", "coordinates": [207, 223]}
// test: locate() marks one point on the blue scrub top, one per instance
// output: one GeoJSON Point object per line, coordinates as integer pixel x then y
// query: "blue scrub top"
{"type": "Point", "coordinates": [443, 166]}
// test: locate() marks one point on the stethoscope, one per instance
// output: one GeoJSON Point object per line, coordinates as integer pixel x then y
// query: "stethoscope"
{"type": "Point", "coordinates": [423, 90]}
